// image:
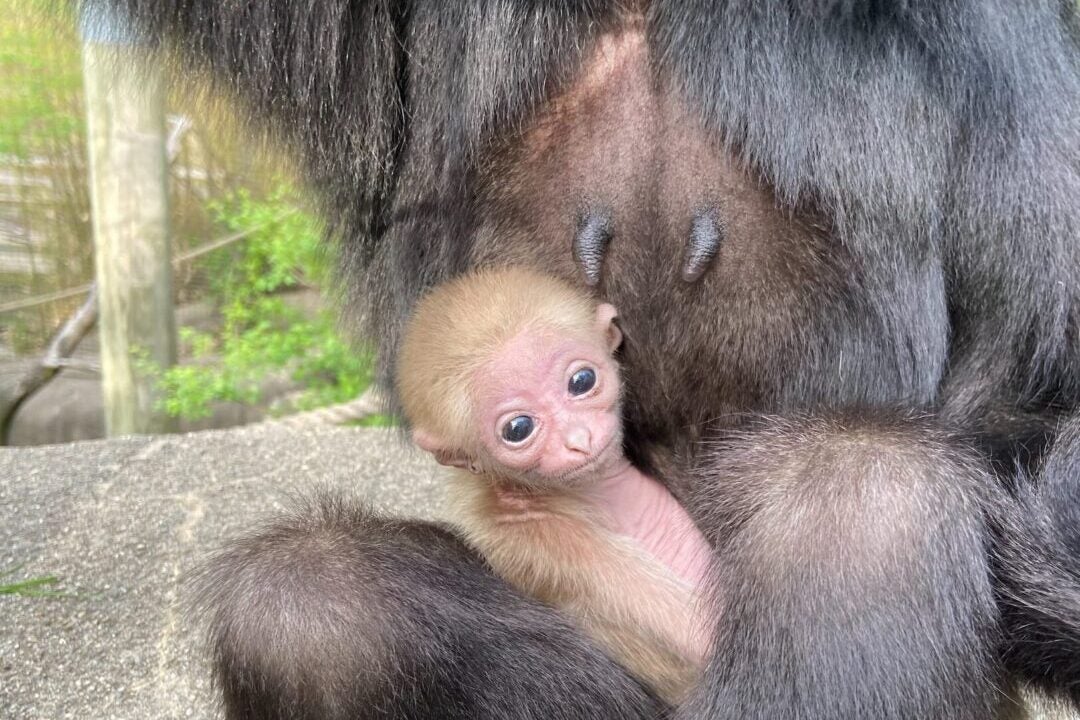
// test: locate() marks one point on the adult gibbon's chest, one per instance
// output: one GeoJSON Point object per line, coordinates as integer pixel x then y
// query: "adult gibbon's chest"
{"type": "Point", "coordinates": [730, 303]}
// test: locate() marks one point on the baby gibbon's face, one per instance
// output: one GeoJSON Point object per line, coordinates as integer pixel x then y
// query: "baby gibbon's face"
{"type": "Point", "coordinates": [548, 409]}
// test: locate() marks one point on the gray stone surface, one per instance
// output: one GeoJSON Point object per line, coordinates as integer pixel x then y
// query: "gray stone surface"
{"type": "Point", "coordinates": [121, 523]}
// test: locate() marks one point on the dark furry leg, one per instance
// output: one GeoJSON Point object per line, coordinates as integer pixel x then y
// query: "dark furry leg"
{"type": "Point", "coordinates": [853, 578]}
{"type": "Point", "coordinates": [1059, 488]}
{"type": "Point", "coordinates": [1037, 562]}
{"type": "Point", "coordinates": [335, 613]}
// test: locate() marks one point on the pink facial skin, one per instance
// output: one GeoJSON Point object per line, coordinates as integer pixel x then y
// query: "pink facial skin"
{"type": "Point", "coordinates": [573, 436]}
{"type": "Point", "coordinates": [576, 441]}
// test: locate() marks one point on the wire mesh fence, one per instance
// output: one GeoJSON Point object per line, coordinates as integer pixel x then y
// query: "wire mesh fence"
{"type": "Point", "coordinates": [45, 242]}
{"type": "Point", "coordinates": [224, 189]}
{"type": "Point", "coordinates": [46, 247]}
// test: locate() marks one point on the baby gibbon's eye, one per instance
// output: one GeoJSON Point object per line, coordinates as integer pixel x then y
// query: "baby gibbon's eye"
{"type": "Point", "coordinates": [582, 381]}
{"type": "Point", "coordinates": [518, 429]}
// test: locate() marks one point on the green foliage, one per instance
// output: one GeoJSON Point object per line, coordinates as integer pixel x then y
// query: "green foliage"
{"type": "Point", "coordinates": [21, 334]}
{"type": "Point", "coordinates": [40, 79]}
{"type": "Point", "coordinates": [261, 332]}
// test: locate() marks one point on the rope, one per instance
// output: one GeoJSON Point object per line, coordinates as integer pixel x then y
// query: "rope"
{"type": "Point", "coordinates": [368, 404]}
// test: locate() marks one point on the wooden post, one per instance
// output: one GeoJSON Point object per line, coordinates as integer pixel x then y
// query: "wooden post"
{"type": "Point", "coordinates": [129, 197]}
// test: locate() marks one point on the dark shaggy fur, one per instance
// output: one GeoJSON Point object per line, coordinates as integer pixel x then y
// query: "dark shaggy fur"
{"type": "Point", "coordinates": [898, 191]}
{"type": "Point", "coordinates": [870, 531]}
{"type": "Point", "coordinates": [312, 610]}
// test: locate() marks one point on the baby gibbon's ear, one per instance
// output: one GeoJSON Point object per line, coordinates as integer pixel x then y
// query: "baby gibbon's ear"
{"type": "Point", "coordinates": [429, 442]}
{"type": "Point", "coordinates": [606, 314]}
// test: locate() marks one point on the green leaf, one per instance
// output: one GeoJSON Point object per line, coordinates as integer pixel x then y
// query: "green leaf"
{"type": "Point", "coordinates": [34, 587]}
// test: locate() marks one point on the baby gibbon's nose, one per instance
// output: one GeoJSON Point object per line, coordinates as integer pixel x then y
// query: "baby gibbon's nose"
{"type": "Point", "coordinates": [579, 438]}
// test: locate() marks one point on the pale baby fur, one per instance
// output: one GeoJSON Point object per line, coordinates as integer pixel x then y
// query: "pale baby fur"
{"type": "Point", "coordinates": [622, 597]}
{"type": "Point", "coordinates": [641, 612]}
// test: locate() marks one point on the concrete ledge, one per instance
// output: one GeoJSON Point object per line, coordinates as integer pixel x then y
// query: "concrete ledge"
{"type": "Point", "coordinates": [121, 522]}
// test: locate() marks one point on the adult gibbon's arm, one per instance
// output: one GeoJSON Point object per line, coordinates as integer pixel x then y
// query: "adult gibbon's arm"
{"type": "Point", "coordinates": [324, 74]}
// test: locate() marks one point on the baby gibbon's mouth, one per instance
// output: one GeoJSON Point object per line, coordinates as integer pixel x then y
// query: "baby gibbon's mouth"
{"type": "Point", "coordinates": [577, 472]}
